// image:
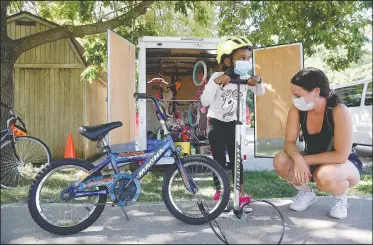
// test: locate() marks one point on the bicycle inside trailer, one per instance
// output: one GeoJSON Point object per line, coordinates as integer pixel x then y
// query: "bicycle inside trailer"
{"type": "Point", "coordinates": [177, 76]}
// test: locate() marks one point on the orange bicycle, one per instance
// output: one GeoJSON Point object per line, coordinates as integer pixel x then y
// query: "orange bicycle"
{"type": "Point", "coordinates": [20, 154]}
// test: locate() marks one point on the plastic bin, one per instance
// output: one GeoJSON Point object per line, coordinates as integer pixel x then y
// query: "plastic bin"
{"type": "Point", "coordinates": [186, 147]}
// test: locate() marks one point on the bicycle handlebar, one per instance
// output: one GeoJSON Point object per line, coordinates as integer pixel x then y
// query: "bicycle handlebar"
{"type": "Point", "coordinates": [239, 81]}
{"type": "Point", "coordinates": [142, 96]}
{"type": "Point", "coordinates": [13, 115]}
{"type": "Point", "coordinates": [159, 108]}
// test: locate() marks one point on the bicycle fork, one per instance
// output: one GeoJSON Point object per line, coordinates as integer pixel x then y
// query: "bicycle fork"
{"type": "Point", "coordinates": [187, 180]}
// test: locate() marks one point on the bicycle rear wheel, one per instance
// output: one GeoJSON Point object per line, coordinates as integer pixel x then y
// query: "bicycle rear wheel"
{"type": "Point", "coordinates": [212, 182]}
{"type": "Point", "coordinates": [21, 160]}
{"type": "Point", "coordinates": [58, 216]}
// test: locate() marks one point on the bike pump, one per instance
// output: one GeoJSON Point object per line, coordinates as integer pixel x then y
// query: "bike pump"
{"type": "Point", "coordinates": [237, 210]}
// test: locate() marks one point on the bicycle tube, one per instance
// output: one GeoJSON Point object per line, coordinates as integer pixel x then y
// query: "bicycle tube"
{"type": "Point", "coordinates": [195, 70]}
{"type": "Point", "coordinates": [190, 120]}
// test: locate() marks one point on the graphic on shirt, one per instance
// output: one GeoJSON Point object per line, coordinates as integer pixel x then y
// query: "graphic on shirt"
{"type": "Point", "coordinates": [229, 101]}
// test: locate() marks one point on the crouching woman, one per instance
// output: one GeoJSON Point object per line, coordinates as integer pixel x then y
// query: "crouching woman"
{"type": "Point", "coordinates": [328, 158]}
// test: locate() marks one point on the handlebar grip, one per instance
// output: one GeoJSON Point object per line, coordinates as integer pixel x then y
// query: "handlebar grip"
{"type": "Point", "coordinates": [240, 81]}
{"type": "Point", "coordinates": [141, 96]}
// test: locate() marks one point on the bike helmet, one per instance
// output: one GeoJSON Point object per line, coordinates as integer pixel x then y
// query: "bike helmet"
{"type": "Point", "coordinates": [227, 46]}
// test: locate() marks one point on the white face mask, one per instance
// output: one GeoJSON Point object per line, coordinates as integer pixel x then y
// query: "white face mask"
{"type": "Point", "coordinates": [242, 68]}
{"type": "Point", "coordinates": [302, 105]}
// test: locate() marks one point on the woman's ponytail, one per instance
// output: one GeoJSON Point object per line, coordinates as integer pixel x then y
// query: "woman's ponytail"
{"type": "Point", "coordinates": [333, 99]}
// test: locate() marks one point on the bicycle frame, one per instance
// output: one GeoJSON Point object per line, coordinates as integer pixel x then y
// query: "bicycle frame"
{"type": "Point", "coordinates": [9, 132]}
{"type": "Point", "coordinates": [150, 159]}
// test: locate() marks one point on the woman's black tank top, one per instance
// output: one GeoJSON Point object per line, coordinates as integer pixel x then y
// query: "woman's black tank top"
{"type": "Point", "coordinates": [319, 142]}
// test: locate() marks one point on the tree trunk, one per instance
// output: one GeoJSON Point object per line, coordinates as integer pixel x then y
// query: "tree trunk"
{"type": "Point", "coordinates": [7, 62]}
{"type": "Point", "coordinates": [6, 89]}
{"type": "Point", "coordinates": [6, 82]}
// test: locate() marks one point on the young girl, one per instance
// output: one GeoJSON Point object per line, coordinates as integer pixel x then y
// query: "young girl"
{"type": "Point", "coordinates": [221, 96]}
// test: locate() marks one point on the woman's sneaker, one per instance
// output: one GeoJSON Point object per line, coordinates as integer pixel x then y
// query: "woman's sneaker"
{"type": "Point", "coordinates": [303, 199]}
{"type": "Point", "coordinates": [339, 210]}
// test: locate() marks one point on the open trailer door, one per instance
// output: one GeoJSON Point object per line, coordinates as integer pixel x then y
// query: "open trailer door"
{"type": "Point", "coordinates": [276, 66]}
{"type": "Point", "coordinates": [121, 87]}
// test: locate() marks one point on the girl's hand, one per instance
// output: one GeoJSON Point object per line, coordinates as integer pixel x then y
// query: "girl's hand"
{"type": "Point", "coordinates": [222, 79]}
{"type": "Point", "coordinates": [254, 80]}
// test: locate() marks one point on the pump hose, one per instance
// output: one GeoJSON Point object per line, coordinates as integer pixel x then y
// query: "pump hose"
{"type": "Point", "coordinates": [223, 238]}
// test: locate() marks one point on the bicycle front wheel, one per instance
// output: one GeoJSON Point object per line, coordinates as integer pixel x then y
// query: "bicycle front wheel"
{"type": "Point", "coordinates": [213, 189]}
{"type": "Point", "coordinates": [21, 161]}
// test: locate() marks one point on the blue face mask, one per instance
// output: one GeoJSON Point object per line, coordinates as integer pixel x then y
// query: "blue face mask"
{"type": "Point", "coordinates": [243, 68]}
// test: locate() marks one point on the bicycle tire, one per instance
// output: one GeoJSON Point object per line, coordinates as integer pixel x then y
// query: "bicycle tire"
{"type": "Point", "coordinates": [190, 113]}
{"type": "Point", "coordinates": [179, 215]}
{"type": "Point", "coordinates": [195, 70]}
{"type": "Point", "coordinates": [38, 218]}
{"type": "Point", "coordinates": [18, 139]}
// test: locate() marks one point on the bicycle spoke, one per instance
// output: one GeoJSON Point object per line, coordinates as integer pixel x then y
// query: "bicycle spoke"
{"type": "Point", "coordinates": [69, 212]}
{"type": "Point", "coordinates": [185, 202]}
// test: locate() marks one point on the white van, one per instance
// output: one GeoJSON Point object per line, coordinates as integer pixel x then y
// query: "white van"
{"type": "Point", "coordinates": [358, 97]}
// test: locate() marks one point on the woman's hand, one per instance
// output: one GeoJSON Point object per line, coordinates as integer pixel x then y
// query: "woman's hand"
{"type": "Point", "coordinates": [301, 170]}
{"type": "Point", "coordinates": [254, 80]}
{"type": "Point", "coordinates": [222, 80]}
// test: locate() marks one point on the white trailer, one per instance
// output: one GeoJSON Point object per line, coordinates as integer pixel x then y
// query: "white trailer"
{"type": "Point", "coordinates": [276, 65]}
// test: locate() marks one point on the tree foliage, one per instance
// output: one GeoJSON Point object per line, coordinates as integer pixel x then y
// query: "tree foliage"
{"type": "Point", "coordinates": [334, 25]}
{"type": "Point", "coordinates": [165, 18]}
{"type": "Point", "coordinates": [334, 28]}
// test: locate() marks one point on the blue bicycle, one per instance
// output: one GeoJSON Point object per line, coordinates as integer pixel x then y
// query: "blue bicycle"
{"type": "Point", "coordinates": [69, 195]}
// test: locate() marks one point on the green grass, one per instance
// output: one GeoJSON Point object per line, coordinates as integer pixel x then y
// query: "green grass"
{"type": "Point", "coordinates": [260, 184]}
{"type": "Point", "coordinates": [267, 184]}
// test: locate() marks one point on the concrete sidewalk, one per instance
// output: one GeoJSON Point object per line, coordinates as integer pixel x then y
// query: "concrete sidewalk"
{"type": "Point", "coordinates": [152, 223]}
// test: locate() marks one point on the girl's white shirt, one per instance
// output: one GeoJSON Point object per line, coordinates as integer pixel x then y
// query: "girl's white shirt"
{"type": "Point", "coordinates": [222, 101]}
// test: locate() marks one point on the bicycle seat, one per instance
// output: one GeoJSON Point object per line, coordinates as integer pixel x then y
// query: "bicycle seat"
{"type": "Point", "coordinates": [95, 132]}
